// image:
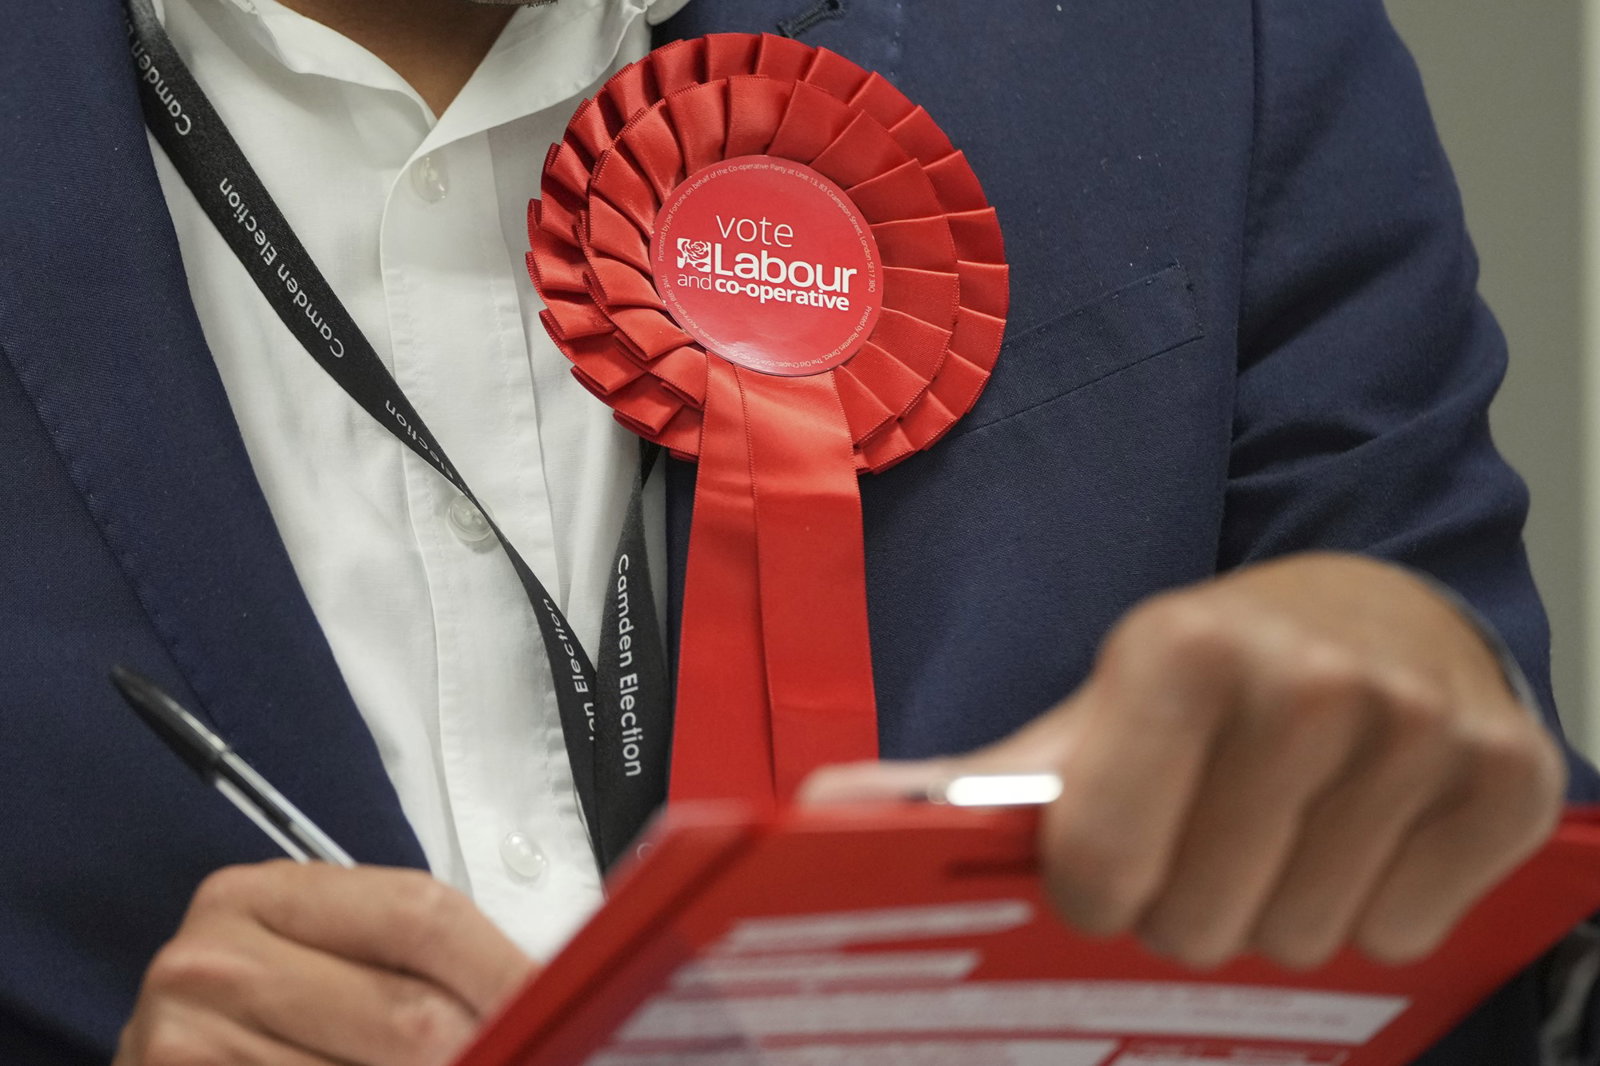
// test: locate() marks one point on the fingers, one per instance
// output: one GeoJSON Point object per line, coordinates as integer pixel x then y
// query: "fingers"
{"type": "Point", "coordinates": [1344, 796]}
{"type": "Point", "coordinates": [1140, 747]}
{"type": "Point", "coordinates": [317, 964]}
{"type": "Point", "coordinates": [1498, 814]}
{"type": "Point", "coordinates": [1352, 832]}
{"type": "Point", "coordinates": [402, 920]}
{"type": "Point", "coordinates": [1313, 755]}
{"type": "Point", "coordinates": [276, 988]}
{"type": "Point", "coordinates": [1244, 821]}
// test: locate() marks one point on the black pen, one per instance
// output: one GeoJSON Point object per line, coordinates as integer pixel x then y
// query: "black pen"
{"type": "Point", "coordinates": [217, 764]}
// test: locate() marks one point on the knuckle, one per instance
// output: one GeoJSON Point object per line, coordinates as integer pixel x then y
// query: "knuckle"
{"type": "Point", "coordinates": [1179, 629]}
{"type": "Point", "coordinates": [1323, 700]}
{"type": "Point", "coordinates": [1328, 678]}
{"type": "Point", "coordinates": [1417, 709]}
{"type": "Point", "coordinates": [238, 888]}
{"type": "Point", "coordinates": [1421, 738]}
{"type": "Point", "coordinates": [1520, 771]}
{"type": "Point", "coordinates": [226, 889]}
{"type": "Point", "coordinates": [426, 910]}
{"type": "Point", "coordinates": [425, 1029]}
{"type": "Point", "coordinates": [188, 965]}
{"type": "Point", "coordinates": [1511, 758]}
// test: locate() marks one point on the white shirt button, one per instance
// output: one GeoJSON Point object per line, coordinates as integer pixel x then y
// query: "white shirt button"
{"type": "Point", "coordinates": [467, 522]}
{"type": "Point", "coordinates": [522, 856]}
{"type": "Point", "coordinates": [429, 179]}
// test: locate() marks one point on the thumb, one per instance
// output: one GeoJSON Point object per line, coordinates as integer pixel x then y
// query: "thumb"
{"type": "Point", "coordinates": [1036, 748]}
{"type": "Point", "coordinates": [875, 782]}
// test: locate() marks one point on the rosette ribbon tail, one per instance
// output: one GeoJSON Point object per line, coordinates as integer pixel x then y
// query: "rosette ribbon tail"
{"type": "Point", "coordinates": [775, 667]}
{"type": "Point", "coordinates": [771, 261]}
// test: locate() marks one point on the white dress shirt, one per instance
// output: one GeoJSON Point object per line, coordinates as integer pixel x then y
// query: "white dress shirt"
{"type": "Point", "coordinates": [419, 224]}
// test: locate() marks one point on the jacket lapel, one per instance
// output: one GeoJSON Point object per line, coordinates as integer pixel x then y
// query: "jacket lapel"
{"type": "Point", "coordinates": [96, 320]}
{"type": "Point", "coordinates": [95, 317]}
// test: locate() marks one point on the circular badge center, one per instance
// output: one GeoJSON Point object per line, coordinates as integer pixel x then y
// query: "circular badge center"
{"type": "Point", "coordinates": [769, 265]}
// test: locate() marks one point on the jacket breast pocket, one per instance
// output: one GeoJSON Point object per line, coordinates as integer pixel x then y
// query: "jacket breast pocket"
{"type": "Point", "coordinates": [1134, 323]}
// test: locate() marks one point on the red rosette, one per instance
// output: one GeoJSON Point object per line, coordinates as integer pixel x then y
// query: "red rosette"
{"type": "Point", "coordinates": [774, 671]}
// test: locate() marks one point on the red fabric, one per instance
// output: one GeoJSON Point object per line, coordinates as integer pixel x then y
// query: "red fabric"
{"type": "Point", "coordinates": [775, 674]}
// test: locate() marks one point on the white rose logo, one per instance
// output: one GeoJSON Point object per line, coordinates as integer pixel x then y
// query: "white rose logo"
{"type": "Point", "coordinates": [695, 254]}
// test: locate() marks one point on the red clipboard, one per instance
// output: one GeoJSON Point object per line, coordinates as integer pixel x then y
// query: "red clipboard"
{"type": "Point", "coordinates": [917, 935]}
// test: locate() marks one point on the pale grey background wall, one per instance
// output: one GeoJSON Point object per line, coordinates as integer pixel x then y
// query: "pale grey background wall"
{"type": "Point", "coordinates": [1507, 82]}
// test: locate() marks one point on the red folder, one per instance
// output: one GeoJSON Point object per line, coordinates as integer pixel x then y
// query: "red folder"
{"type": "Point", "coordinates": [918, 936]}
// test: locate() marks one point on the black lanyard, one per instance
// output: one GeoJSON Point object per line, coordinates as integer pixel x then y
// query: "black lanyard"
{"type": "Point", "coordinates": [617, 722]}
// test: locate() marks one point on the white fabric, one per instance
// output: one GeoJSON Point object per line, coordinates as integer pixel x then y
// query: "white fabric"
{"type": "Point", "coordinates": [419, 224]}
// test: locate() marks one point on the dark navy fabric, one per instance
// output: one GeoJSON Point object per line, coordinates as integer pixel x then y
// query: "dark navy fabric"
{"type": "Point", "coordinates": [1244, 324]}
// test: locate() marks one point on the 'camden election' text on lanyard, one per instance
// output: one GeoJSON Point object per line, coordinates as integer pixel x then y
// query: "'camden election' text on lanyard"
{"type": "Point", "coordinates": [617, 721]}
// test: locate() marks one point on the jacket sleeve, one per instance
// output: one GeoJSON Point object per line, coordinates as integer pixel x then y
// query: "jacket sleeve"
{"type": "Point", "coordinates": [1367, 361]}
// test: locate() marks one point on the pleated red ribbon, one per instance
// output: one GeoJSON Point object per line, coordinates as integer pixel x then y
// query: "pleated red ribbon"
{"type": "Point", "coordinates": [775, 671]}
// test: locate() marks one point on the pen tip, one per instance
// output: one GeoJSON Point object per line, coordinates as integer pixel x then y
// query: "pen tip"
{"type": "Point", "coordinates": [181, 731]}
{"type": "Point", "coordinates": [134, 686]}
{"type": "Point", "coordinates": [125, 679]}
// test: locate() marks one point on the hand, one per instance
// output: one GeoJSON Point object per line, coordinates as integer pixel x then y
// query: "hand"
{"type": "Point", "coordinates": [306, 965]}
{"type": "Point", "coordinates": [1306, 754]}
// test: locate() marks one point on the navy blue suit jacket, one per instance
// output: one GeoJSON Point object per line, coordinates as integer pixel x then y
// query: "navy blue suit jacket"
{"type": "Point", "coordinates": [1243, 324]}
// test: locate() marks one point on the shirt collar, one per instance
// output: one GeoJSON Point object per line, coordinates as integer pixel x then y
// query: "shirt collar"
{"type": "Point", "coordinates": [546, 54]}
{"type": "Point", "coordinates": [659, 11]}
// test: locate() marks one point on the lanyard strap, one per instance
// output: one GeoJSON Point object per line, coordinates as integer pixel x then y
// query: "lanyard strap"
{"type": "Point", "coordinates": [616, 723]}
